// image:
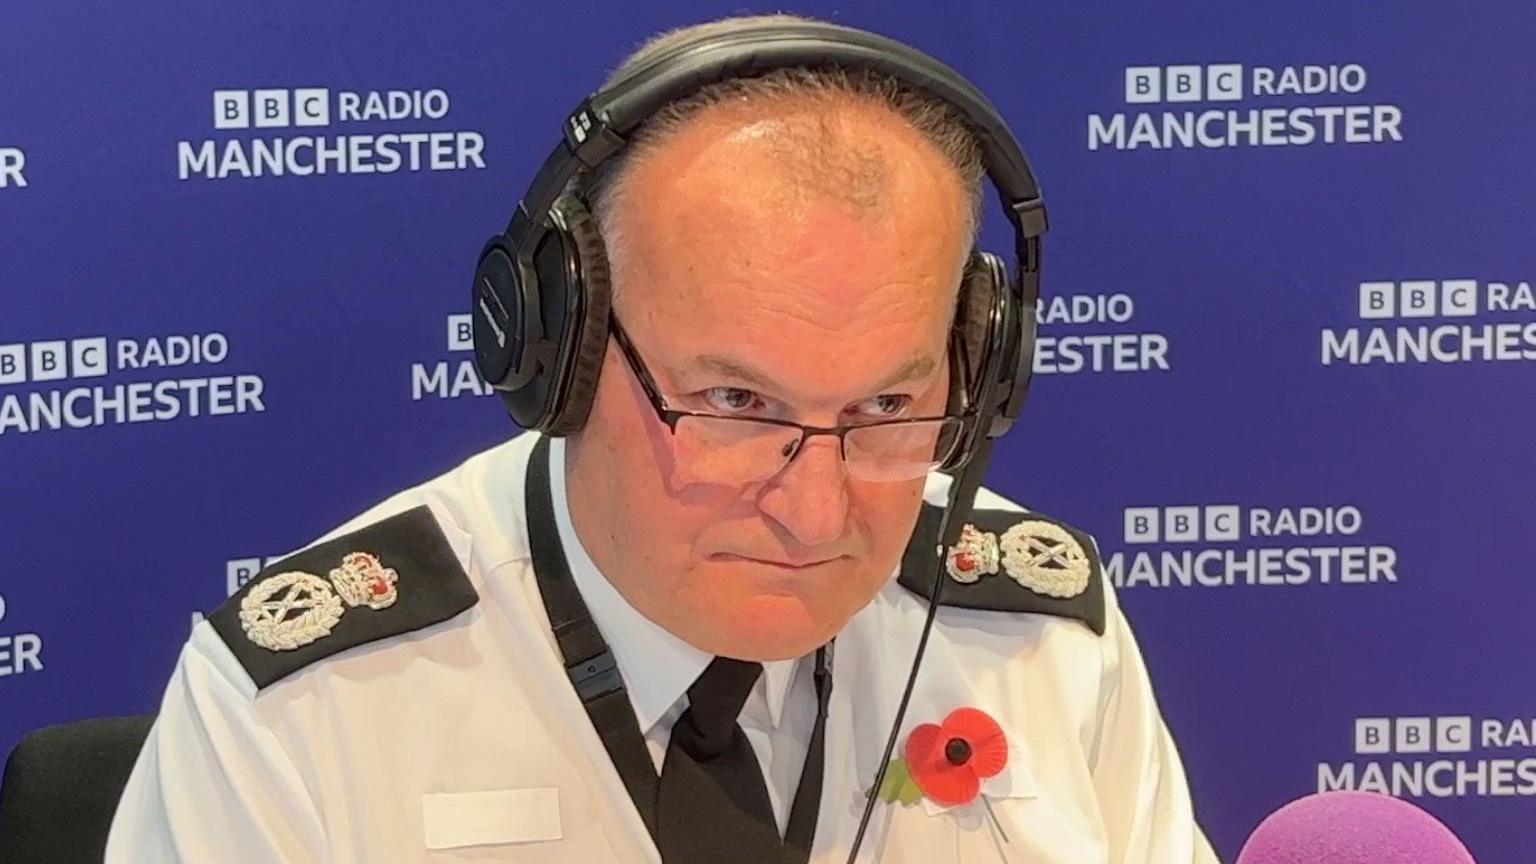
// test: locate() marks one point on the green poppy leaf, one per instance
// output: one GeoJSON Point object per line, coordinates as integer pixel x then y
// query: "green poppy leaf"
{"type": "Point", "coordinates": [909, 793]}
{"type": "Point", "coordinates": [897, 778]}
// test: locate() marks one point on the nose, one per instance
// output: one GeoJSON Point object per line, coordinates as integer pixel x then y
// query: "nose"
{"type": "Point", "coordinates": [809, 498]}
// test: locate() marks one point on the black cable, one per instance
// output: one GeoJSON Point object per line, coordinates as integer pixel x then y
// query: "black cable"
{"type": "Point", "coordinates": [962, 494]}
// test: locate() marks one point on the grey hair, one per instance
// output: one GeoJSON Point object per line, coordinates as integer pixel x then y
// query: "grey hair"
{"type": "Point", "coordinates": [850, 175]}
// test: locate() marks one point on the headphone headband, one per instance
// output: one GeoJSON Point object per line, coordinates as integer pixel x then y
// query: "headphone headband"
{"type": "Point", "coordinates": [600, 127]}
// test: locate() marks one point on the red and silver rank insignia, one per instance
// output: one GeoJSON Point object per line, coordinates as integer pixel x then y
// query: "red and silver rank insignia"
{"type": "Point", "coordinates": [292, 609]}
{"type": "Point", "coordinates": [1045, 558]}
{"type": "Point", "coordinates": [1030, 563]}
{"type": "Point", "coordinates": [289, 610]}
{"type": "Point", "coordinates": [973, 556]}
{"type": "Point", "coordinates": [362, 581]}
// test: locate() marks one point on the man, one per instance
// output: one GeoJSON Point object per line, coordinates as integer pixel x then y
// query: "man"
{"type": "Point", "coordinates": [784, 249]}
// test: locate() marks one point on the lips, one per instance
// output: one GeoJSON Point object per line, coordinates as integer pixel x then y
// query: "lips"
{"type": "Point", "coordinates": [783, 564]}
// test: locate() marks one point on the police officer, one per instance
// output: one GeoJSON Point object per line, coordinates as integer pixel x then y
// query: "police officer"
{"type": "Point", "coordinates": [677, 623]}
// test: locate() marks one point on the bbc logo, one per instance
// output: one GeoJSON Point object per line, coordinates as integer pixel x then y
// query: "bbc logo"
{"type": "Point", "coordinates": [1188, 524]}
{"type": "Point", "coordinates": [1425, 298]}
{"type": "Point", "coordinates": [461, 333]}
{"type": "Point", "coordinates": [274, 109]}
{"type": "Point", "coordinates": [54, 360]}
{"type": "Point", "coordinates": [1218, 82]}
{"type": "Point", "coordinates": [1382, 735]}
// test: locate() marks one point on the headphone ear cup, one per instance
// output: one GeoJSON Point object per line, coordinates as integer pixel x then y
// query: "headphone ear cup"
{"type": "Point", "coordinates": [989, 335]}
{"type": "Point", "coordinates": [588, 340]}
{"type": "Point", "coordinates": [974, 314]}
{"type": "Point", "coordinates": [494, 294]}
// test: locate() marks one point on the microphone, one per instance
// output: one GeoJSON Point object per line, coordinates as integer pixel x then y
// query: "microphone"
{"type": "Point", "coordinates": [1352, 828]}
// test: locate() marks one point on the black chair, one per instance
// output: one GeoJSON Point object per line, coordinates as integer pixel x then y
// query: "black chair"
{"type": "Point", "coordinates": [61, 787]}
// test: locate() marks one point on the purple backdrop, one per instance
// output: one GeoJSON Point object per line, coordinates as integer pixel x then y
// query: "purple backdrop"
{"type": "Point", "coordinates": [1288, 383]}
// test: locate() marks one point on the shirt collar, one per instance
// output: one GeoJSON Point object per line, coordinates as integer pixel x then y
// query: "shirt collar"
{"type": "Point", "coordinates": [657, 667]}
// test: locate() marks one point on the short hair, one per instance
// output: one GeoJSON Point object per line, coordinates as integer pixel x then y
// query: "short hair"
{"type": "Point", "coordinates": [936, 120]}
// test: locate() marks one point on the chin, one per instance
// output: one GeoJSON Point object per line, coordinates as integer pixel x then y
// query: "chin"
{"type": "Point", "coordinates": [774, 626]}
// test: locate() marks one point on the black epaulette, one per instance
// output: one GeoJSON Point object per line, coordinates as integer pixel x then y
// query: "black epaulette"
{"type": "Point", "coordinates": [392, 577]}
{"type": "Point", "coordinates": [1008, 561]}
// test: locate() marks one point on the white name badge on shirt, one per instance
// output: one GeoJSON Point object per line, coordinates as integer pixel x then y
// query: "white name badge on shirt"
{"type": "Point", "coordinates": [453, 819]}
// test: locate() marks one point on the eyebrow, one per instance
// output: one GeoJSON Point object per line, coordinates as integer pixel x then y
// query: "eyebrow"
{"type": "Point", "coordinates": [916, 367]}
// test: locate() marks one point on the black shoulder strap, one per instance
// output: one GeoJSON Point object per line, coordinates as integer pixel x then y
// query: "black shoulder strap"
{"type": "Point", "coordinates": [395, 576]}
{"type": "Point", "coordinates": [1023, 562]}
{"type": "Point", "coordinates": [588, 660]}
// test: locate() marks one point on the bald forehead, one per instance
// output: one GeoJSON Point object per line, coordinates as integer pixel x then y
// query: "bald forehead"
{"type": "Point", "coordinates": [793, 177]}
{"type": "Point", "coordinates": [833, 146]}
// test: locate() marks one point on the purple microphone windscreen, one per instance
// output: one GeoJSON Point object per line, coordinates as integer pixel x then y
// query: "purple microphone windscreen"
{"type": "Point", "coordinates": [1352, 828]}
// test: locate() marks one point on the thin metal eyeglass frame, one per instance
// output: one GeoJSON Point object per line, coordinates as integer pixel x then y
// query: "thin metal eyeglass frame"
{"type": "Point", "coordinates": [671, 416]}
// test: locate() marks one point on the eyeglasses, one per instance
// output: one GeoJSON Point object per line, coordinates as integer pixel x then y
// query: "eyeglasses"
{"type": "Point", "coordinates": [741, 450]}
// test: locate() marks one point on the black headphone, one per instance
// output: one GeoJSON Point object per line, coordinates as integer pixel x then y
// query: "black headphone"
{"type": "Point", "coordinates": [542, 288]}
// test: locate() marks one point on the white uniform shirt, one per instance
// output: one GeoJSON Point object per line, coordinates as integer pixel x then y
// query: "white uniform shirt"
{"type": "Point", "coordinates": [465, 742]}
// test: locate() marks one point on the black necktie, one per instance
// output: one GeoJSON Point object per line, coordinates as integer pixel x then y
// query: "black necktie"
{"type": "Point", "coordinates": [713, 804]}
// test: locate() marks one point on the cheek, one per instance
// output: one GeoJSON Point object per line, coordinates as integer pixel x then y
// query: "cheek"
{"type": "Point", "coordinates": [888, 511]}
{"type": "Point", "coordinates": [631, 437]}
{"type": "Point", "coordinates": [620, 450]}
{"type": "Point", "coordinates": [614, 415]}
{"type": "Point", "coordinates": [653, 514]}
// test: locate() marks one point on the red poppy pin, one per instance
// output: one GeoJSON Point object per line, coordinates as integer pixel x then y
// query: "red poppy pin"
{"type": "Point", "coordinates": [947, 761]}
